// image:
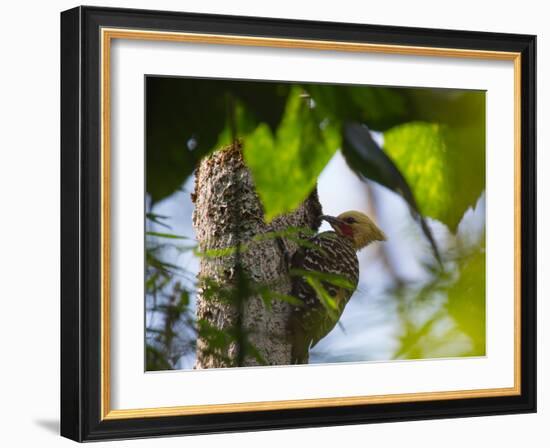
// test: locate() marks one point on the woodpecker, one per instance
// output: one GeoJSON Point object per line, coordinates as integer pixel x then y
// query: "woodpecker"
{"type": "Point", "coordinates": [332, 252]}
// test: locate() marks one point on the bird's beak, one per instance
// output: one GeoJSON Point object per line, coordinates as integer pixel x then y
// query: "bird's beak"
{"type": "Point", "coordinates": [332, 220]}
{"type": "Point", "coordinates": [379, 235]}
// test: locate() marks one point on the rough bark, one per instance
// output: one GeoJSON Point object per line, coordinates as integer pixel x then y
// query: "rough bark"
{"type": "Point", "coordinates": [228, 210]}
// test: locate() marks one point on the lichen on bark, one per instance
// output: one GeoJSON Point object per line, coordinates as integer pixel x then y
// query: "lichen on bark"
{"type": "Point", "coordinates": [227, 212]}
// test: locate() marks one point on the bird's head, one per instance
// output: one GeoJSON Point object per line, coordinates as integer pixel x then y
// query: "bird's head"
{"type": "Point", "coordinates": [357, 227]}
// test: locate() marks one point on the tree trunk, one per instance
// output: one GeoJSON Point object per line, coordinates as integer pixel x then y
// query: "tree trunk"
{"type": "Point", "coordinates": [227, 212]}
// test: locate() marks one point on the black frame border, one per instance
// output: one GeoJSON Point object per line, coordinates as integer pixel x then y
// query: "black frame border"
{"type": "Point", "coordinates": [81, 223]}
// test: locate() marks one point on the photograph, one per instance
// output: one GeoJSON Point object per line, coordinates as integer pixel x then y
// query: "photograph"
{"type": "Point", "coordinates": [291, 223]}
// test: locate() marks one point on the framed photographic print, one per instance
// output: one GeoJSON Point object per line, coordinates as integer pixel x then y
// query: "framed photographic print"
{"type": "Point", "coordinates": [274, 224]}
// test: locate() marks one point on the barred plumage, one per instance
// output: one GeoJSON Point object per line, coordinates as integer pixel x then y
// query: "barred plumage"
{"type": "Point", "coordinates": [332, 253]}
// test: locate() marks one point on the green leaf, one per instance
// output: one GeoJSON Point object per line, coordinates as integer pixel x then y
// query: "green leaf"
{"type": "Point", "coordinates": [378, 107]}
{"type": "Point", "coordinates": [217, 338]}
{"type": "Point", "coordinates": [324, 297]}
{"type": "Point", "coordinates": [444, 166]}
{"type": "Point", "coordinates": [269, 295]}
{"type": "Point", "coordinates": [466, 302]}
{"type": "Point", "coordinates": [285, 166]}
{"type": "Point", "coordinates": [155, 359]}
{"type": "Point", "coordinates": [166, 235]}
{"type": "Point", "coordinates": [289, 232]}
{"type": "Point", "coordinates": [157, 219]}
{"type": "Point", "coordinates": [366, 158]}
{"type": "Point", "coordinates": [244, 122]}
{"type": "Point", "coordinates": [217, 253]}
{"type": "Point", "coordinates": [307, 244]}
{"type": "Point", "coordinates": [187, 117]}
{"type": "Point", "coordinates": [251, 350]}
{"type": "Point", "coordinates": [334, 279]}
{"type": "Point", "coordinates": [177, 133]}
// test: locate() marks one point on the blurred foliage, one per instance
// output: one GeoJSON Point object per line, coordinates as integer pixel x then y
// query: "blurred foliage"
{"type": "Point", "coordinates": [419, 151]}
{"type": "Point", "coordinates": [446, 316]}
{"type": "Point", "coordinates": [300, 149]}
{"type": "Point", "coordinates": [435, 137]}
{"type": "Point", "coordinates": [370, 162]}
{"type": "Point", "coordinates": [169, 332]}
{"type": "Point", "coordinates": [445, 171]}
{"type": "Point", "coordinates": [466, 301]}
{"type": "Point", "coordinates": [378, 107]}
{"type": "Point", "coordinates": [431, 153]}
{"type": "Point", "coordinates": [186, 119]}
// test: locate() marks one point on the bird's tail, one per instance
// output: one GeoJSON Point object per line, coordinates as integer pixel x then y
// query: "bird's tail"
{"type": "Point", "coordinates": [300, 346]}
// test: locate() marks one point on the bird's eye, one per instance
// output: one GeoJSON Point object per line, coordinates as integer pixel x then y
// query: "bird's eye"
{"type": "Point", "coordinates": [350, 220]}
